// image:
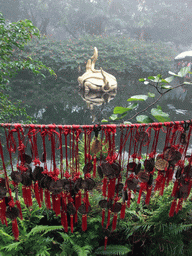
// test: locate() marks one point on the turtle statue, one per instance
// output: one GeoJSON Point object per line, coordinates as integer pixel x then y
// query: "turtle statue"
{"type": "Point", "coordinates": [97, 80]}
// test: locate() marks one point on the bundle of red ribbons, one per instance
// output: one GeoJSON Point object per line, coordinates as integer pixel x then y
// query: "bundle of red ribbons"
{"type": "Point", "coordinates": [112, 153]}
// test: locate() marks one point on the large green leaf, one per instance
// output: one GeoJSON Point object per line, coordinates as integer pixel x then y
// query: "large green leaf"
{"type": "Point", "coordinates": [144, 119]}
{"type": "Point", "coordinates": [169, 79]}
{"type": "Point", "coordinates": [187, 83]}
{"type": "Point", "coordinates": [150, 94]}
{"type": "Point", "coordinates": [173, 74]}
{"type": "Point", "coordinates": [104, 121]}
{"type": "Point", "coordinates": [160, 115]}
{"type": "Point", "coordinates": [113, 117]}
{"type": "Point", "coordinates": [120, 110]}
{"type": "Point", "coordinates": [166, 86]}
{"type": "Point", "coordinates": [183, 72]}
{"type": "Point", "coordinates": [138, 98]}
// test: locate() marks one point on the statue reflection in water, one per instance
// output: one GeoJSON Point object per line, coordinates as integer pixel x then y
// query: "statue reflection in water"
{"type": "Point", "coordinates": [97, 100]}
{"type": "Point", "coordinates": [97, 87]}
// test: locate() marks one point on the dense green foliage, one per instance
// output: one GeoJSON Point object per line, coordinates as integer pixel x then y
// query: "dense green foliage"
{"type": "Point", "coordinates": [146, 230]}
{"type": "Point", "coordinates": [14, 36]}
{"type": "Point", "coordinates": [120, 54]}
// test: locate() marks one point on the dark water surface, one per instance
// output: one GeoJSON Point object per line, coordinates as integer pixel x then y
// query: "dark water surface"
{"type": "Point", "coordinates": [60, 101]}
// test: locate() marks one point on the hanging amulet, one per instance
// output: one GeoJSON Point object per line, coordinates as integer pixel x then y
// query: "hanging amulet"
{"type": "Point", "coordinates": [183, 138]}
{"type": "Point", "coordinates": [96, 146]}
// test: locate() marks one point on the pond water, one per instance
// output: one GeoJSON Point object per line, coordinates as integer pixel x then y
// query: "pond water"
{"type": "Point", "coordinates": [60, 101]}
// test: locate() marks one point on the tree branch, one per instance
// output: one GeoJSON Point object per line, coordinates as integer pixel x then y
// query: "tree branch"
{"type": "Point", "coordinates": [154, 101]}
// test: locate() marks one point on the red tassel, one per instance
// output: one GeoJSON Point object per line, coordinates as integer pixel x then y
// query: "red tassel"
{"type": "Point", "coordinates": [139, 197]}
{"type": "Point", "coordinates": [2, 211]}
{"type": "Point", "coordinates": [87, 201]}
{"type": "Point", "coordinates": [94, 166]}
{"type": "Point", "coordinates": [76, 217]}
{"type": "Point", "coordinates": [15, 229]}
{"type": "Point", "coordinates": [77, 201]}
{"type": "Point", "coordinates": [84, 222]}
{"type": "Point", "coordinates": [24, 195]}
{"type": "Point", "coordinates": [149, 190]}
{"type": "Point", "coordinates": [104, 186]}
{"type": "Point", "coordinates": [29, 198]}
{"type": "Point", "coordinates": [37, 196]}
{"type": "Point", "coordinates": [158, 181]}
{"type": "Point", "coordinates": [108, 218]}
{"type": "Point", "coordinates": [41, 194]}
{"type": "Point", "coordinates": [129, 198]}
{"type": "Point", "coordinates": [114, 223]}
{"type": "Point", "coordinates": [122, 215]}
{"type": "Point", "coordinates": [19, 207]}
{"type": "Point", "coordinates": [179, 205]}
{"type": "Point", "coordinates": [56, 204]}
{"type": "Point", "coordinates": [79, 197]}
{"type": "Point", "coordinates": [103, 217]}
{"type": "Point", "coordinates": [71, 222]}
{"type": "Point", "coordinates": [47, 199]}
{"type": "Point", "coordinates": [64, 221]}
{"type": "Point", "coordinates": [111, 188]}
{"type": "Point", "coordinates": [143, 186]}
{"type": "Point", "coordinates": [175, 188]}
{"type": "Point", "coordinates": [105, 244]}
{"type": "Point", "coordinates": [53, 202]}
{"type": "Point", "coordinates": [172, 209]}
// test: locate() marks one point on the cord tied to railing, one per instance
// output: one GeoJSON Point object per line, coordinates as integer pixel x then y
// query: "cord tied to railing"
{"type": "Point", "coordinates": [63, 165]}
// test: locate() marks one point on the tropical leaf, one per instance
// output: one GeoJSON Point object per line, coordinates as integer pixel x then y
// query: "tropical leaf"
{"type": "Point", "coordinates": [160, 115]}
{"type": "Point", "coordinates": [169, 79]}
{"type": "Point", "coordinates": [183, 72]}
{"type": "Point", "coordinates": [165, 86]}
{"type": "Point", "coordinates": [144, 119]}
{"type": "Point", "coordinates": [173, 74]}
{"type": "Point", "coordinates": [138, 98]}
{"type": "Point", "coordinates": [121, 110]}
{"type": "Point", "coordinates": [150, 94]}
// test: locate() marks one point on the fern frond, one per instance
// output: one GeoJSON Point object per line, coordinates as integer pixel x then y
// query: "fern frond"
{"type": "Point", "coordinates": [82, 251]}
{"type": "Point", "coordinates": [44, 229]}
{"type": "Point", "coordinates": [66, 238]}
{"type": "Point", "coordinates": [113, 250]}
{"type": "Point", "coordinates": [11, 247]}
{"type": "Point", "coordinates": [6, 235]}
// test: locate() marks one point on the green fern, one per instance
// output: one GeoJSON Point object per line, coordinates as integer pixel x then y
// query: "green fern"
{"type": "Point", "coordinates": [82, 251]}
{"type": "Point", "coordinates": [44, 229]}
{"type": "Point", "coordinates": [113, 250]}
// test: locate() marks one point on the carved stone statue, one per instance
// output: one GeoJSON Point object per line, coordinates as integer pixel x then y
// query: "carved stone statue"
{"type": "Point", "coordinates": [97, 80]}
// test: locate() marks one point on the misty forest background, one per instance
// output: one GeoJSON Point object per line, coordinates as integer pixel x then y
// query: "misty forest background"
{"type": "Point", "coordinates": [135, 38]}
